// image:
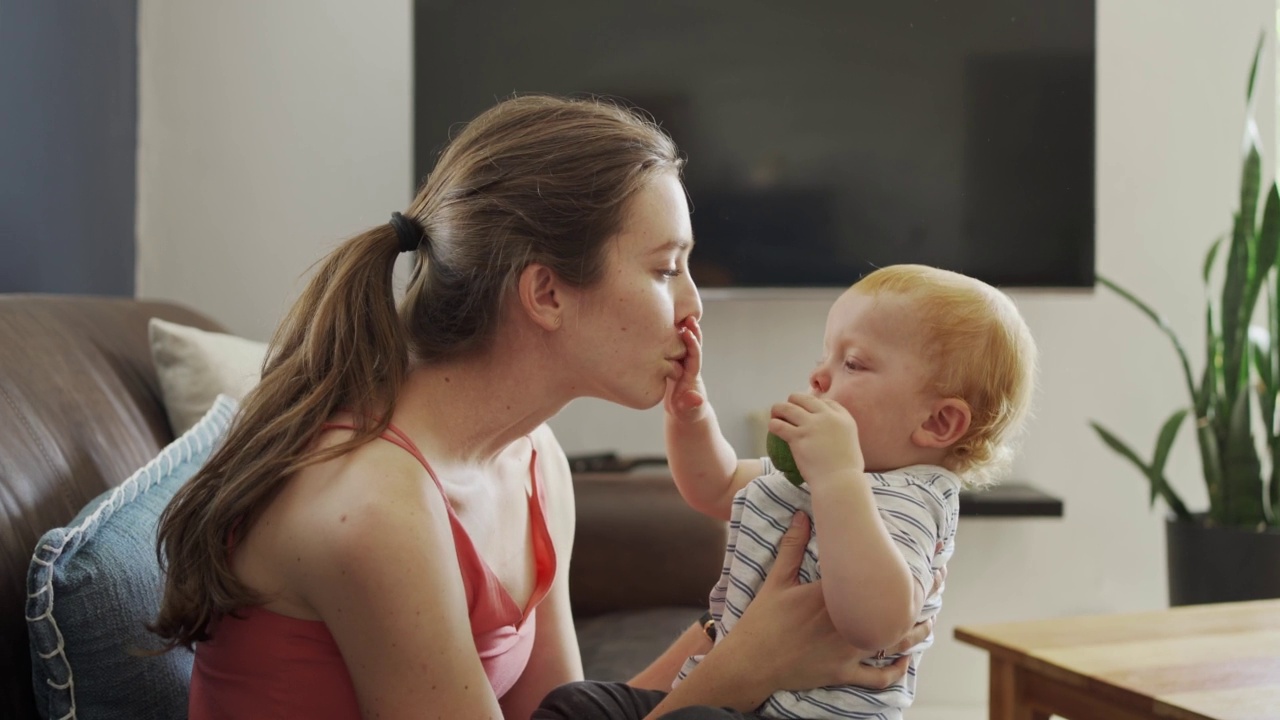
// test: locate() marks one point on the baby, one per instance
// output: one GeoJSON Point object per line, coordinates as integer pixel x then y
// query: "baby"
{"type": "Point", "coordinates": [924, 379]}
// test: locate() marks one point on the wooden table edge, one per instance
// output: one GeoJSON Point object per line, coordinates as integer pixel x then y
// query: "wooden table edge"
{"type": "Point", "coordinates": [1128, 699]}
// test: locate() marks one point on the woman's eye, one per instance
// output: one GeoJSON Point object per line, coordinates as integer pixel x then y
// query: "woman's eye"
{"type": "Point", "coordinates": [671, 272]}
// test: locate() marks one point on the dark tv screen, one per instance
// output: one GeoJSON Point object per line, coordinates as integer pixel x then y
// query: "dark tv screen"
{"type": "Point", "coordinates": [823, 139]}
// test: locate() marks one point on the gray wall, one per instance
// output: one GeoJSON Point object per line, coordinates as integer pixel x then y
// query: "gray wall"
{"type": "Point", "coordinates": [68, 145]}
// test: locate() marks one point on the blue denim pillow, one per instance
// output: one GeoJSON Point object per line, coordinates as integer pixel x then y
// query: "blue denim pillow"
{"type": "Point", "coordinates": [92, 586]}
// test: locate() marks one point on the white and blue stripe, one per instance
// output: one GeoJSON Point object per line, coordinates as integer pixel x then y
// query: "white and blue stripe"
{"type": "Point", "coordinates": [919, 506]}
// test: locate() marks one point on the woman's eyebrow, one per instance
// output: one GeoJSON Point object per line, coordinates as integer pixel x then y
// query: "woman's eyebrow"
{"type": "Point", "coordinates": [678, 244]}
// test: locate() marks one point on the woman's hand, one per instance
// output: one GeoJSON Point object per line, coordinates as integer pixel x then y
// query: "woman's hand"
{"type": "Point", "coordinates": [787, 631]}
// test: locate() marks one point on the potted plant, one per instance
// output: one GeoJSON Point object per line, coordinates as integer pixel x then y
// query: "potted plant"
{"type": "Point", "coordinates": [1231, 551]}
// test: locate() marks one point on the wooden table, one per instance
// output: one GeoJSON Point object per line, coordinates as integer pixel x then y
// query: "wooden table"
{"type": "Point", "coordinates": [1202, 662]}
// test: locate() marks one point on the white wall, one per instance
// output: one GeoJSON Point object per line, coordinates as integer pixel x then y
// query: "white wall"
{"type": "Point", "coordinates": [271, 130]}
{"type": "Point", "coordinates": [268, 132]}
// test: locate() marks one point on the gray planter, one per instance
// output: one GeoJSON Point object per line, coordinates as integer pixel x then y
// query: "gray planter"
{"type": "Point", "coordinates": [1221, 564]}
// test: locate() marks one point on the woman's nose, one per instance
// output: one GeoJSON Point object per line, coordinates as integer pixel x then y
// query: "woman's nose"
{"type": "Point", "coordinates": [689, 303]}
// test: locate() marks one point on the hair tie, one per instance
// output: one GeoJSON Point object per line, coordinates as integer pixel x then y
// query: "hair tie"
{"type": "Point", "coordinates": [408, 232]}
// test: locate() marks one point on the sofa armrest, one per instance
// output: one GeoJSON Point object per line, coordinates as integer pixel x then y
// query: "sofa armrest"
{"type": "Point", "coordinates": [638, 545]}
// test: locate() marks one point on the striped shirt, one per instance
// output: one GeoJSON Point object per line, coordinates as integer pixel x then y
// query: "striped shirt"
{"type": "Point", "coordinates": [919, 506]}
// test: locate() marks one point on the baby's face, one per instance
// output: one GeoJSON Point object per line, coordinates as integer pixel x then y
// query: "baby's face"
{"type": "Point", "coordinates": [874, 365]}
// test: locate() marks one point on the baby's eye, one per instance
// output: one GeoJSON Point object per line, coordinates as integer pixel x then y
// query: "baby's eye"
{"type": "Point", "coordinates": [852, 364]}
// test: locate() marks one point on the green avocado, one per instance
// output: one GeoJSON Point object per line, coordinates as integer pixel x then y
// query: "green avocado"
{"type": "Point", "coordinates": [780, 453]}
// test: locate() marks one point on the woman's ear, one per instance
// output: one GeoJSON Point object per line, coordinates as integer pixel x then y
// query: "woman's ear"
{"type": "Point", "coordinates": [542, 296]}
{"type": "Point", "coordinates": [945, 425]}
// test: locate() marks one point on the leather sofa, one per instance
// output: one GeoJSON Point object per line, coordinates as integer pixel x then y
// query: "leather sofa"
{"type": "Point", "coordinates": [80, 410]}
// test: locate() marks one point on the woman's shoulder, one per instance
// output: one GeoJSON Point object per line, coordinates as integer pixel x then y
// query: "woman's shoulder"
{"type": "Point", "coordinates": [358, 505]}
{"type": "Point", "coordinates": [375, 474]}
{"type": "Point", "coordinates": [350, 500]}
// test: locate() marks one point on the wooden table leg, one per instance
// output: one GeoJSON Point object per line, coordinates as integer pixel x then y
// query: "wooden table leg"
{"type": "Point", "coordinates": [1007, 698]}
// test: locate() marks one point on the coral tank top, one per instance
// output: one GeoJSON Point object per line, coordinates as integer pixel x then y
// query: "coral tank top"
{"type": "Point", "coordinates": [261, 664]}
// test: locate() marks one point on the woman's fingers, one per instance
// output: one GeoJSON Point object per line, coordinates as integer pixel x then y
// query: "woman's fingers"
{"type": "Point", "coordinates": [877, 678]}
{"type": "Point", "coordinates": [916, 635]}
{"type": "Point", "coordinates": [787, 632]}
{"type": "Point", "coordinates": [790, 552]}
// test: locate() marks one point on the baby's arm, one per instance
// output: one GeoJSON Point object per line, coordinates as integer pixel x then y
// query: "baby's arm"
{"type": "Point", "coordinates": [706, 470]}
{"type": "Point", "coordinates": [871, 596]}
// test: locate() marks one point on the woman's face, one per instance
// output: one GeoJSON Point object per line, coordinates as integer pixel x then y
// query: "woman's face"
{"type": "Point", "coordinates": [626, 329]}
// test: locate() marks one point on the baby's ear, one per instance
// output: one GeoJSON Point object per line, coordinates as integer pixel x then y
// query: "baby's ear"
{"type": "Point", "coordinates": [946, 424]}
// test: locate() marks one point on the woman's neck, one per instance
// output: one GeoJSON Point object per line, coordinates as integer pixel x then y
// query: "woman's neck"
{"type": "Point", "coordinates": [468, 411]}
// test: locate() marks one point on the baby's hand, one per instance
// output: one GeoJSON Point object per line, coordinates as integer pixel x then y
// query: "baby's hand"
{"type": "Point", "coordinates": [686, 395]}
{"type": "Point", "coordinates": [822, 434]}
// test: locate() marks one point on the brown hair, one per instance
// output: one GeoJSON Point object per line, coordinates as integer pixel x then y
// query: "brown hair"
{"type": "Point", "coordinates": [981, 351]}
{"type": "Point", "coordinates": [535, 179]}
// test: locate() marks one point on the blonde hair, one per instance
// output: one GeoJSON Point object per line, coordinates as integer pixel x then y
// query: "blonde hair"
{"type": "Point", "coordinates": [981, 352]}
{"type": "Point", "coordinates": [534, 179]}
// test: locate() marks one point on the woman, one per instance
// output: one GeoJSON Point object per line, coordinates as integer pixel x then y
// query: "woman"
{"type": "Point", "coordinates": [385, 531]}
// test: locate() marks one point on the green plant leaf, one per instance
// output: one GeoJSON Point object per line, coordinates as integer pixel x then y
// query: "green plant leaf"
{"type": "Point", "coordinates": [1210, 460]}
{"type": "Point", "coordinates": [1166, 492]}
{"type": "Point", "coordinates": [1164, 442]}
{"type": "Point", "coordinates": [1253, 69]}
{"type": "Point", "coordinates": [1206, 403]}
{"type": "Point", "coordinates": [1240, 287]}
{"type": "Point", "coordinates": [1268, 235]}
{"type": "Point", "coordinates": [1210, 257]}
{"type": "Point", "coordinates": [1160, 323]}
{"type": "Point", "coordinates": [1242, 470]}
{"type": "Point", "coordinates": [1168, 432]}
{"type": "Point", "coordinates": [1260, 342]}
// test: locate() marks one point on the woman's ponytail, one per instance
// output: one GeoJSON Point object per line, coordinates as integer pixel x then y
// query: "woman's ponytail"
{"type": "Point", "coordinates": [341, 346]}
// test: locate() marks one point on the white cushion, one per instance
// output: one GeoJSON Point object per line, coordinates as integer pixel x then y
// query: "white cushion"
{"type": "Point", "coordinates": [195, 366]}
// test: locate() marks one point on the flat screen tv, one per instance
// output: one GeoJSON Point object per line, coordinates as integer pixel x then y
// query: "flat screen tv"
{"type": "Point", "coordinates": [823, 138]}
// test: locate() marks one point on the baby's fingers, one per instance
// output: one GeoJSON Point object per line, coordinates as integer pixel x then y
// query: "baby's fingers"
{"type": "Point", "coordinates": [695, 327]}
{"type": "Point", "coordinates": [692, 337]}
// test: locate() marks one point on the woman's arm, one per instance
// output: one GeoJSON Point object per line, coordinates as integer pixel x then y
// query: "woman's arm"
{"type": "Point", "coordinates": [662, 671]}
